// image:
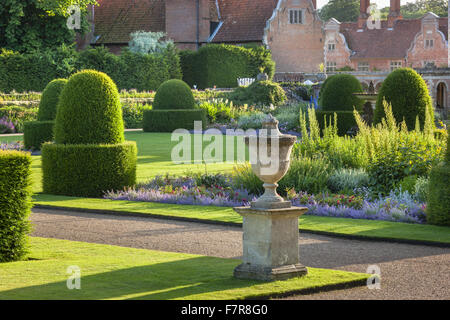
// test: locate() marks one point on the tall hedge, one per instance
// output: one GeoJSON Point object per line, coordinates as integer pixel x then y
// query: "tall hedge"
{"type": "Point", "coordinates": [33, 71]}
{"type": "Point", "coordinates": [221, 65]}
{"type": "Point", "coordinates": [89, 110]}
{"type": "Point", "coordinates": [337, 93]}
{"type": "Point", "coordinates": [408, 94]}
{"type": "Point", "coordinates": [15, 204]}
{"type": "Point", "coordinates": [438, 199]}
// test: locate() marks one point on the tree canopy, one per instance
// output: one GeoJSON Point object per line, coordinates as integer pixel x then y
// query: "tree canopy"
{"type": "Point", "coordinates": [27, 25]}
{"type": "Point", "coordinates": [342, 10]}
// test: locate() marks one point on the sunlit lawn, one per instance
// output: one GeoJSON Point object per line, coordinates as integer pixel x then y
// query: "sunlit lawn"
{"type": "Point", "coordinates": [112, 272]}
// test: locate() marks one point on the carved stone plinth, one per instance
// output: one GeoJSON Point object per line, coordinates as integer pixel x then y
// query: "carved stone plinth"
{"type": "Point", "coordinates": [270, 239]}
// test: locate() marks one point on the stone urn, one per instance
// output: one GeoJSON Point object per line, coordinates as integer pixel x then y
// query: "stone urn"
{"type": "Point", "coordinates": [270, 153]}
{"type": "Point", "coordinates": [262, 77]}
{"type": "Point", "coordinates": [270, 224]}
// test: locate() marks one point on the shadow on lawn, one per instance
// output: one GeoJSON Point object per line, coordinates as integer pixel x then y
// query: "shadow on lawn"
{"type": "Point", "coordinates": [168, 280]}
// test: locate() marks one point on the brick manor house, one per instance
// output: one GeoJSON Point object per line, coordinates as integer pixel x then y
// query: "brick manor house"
{"type": "Point", "coordinates": [299, 40]}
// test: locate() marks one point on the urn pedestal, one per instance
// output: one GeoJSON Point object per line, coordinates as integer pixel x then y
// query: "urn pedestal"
{"type": "Point", "coordinates": [271, 249]}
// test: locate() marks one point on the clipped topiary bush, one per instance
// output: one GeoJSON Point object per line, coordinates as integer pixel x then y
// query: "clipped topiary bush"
{"type": "Point", "coordinates": [89, 111]}
{"type": "Point", "coordinates": [49, 100]}
{"type": "Point", "coordinates": [438, 196]}
{"type": "Point", "coordinates": [15, 204]}
{"type": "Point", "coordinates": [408, 94]}
{"type": "Point", "coordinates": [170, 120]}
{"type": "Point", "coordinates": [337, 93]}
{"type": "Point", "coordinates": [90, 156]}
{"type": "Point", "coordinates": [174, 95]}
{"type": "Point", "coordinates": [36, 133]}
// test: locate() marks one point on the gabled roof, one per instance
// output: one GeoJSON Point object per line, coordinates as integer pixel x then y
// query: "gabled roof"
{"type": "Point", "coordinates": [385, 43]}
{"type": "Point", "coordinates": [116, 19]}
{"type": "Point", "coordinates": [244, 20]}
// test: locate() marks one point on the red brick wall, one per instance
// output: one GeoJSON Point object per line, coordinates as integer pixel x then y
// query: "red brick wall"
{"type": "Point", "coordinates": [181, 21]}
{"type": "Point", "coordinates": [296, 47]}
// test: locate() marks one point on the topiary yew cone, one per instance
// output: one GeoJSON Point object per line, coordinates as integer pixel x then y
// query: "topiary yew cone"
{"type": "Point", "coordinates": [89, 111]}
{"type": "Point", "coordinates": [408, 94]}
{"type": "Point", "coordinates": [49, 100]}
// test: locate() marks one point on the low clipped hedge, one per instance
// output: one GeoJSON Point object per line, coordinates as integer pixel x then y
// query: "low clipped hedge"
{"type": "Point", "coordinates": [36, 133]}
{"type": "Point", "coordinates": [15, 204]}
{"type": "Point", "coordinates": [438, 200]}
{"type": "Point", "coordinates": [88, 170]}
{"type": "Point", "coordinates": [345, 120]}
{"type": "Point", "coordinates": [170, 120]}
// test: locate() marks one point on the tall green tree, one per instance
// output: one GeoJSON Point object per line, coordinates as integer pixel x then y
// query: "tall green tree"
{"type": "Point", "coordinates": [342, 10]}
{"type": "Point", "coordinates": [27, 25]}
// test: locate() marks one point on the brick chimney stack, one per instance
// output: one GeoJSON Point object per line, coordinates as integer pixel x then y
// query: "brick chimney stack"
{"type": "Point", "coordinates": [394, 13]}
{"type": "Point", "coordinates": [363, 15]}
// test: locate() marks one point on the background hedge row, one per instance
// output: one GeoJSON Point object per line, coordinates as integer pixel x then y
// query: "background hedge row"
{"type": "Point", "coordinates": [221, 65]}
{"type": "Point", "coordinates": [32, 72]}
{"type": "Point", "coordinates": [15, 203]}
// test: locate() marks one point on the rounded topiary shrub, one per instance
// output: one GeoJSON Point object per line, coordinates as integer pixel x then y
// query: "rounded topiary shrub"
{"type": "Point", "coordinates": [337, 93]}
{"type": "Point", "coordinates": [438, 196]}
{"type": "Point", "coordinates": [15, 204]}
{"type": "Point", "coordinates": [89, 110]}
{"type": "Point", "coordinates": [174, 95]}
{"type": "Point", "coordinates": [49, 100]}
{"type": "Point", "coordinates": [408, 94]}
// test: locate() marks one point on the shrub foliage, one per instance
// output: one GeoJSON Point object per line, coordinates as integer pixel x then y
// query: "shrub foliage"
{"type": "Point", "coordinates": [221, 65]}
{"type": "Point", "coordinates": [88, 170]}
{"type": "Point", "coordinates": [36, 133]}
{"type": "Point", "coordinates": [408, 94]}
{"type": "Point", "coordinates": [49, 100]}
{"type": "Point", "coordinates": [170, 120]}
{"type": "Point", "coordinates": [438, 197]}
{"type": "Point", "coordinates": [174, 94]}
{"type": "Point", "coordinates": [15, 204]}
{"type": "Point", "coordinates": [337, 93]}
{"type": "Point", "coordinates": [89, 110]}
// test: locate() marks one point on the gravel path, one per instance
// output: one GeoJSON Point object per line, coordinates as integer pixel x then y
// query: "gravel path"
{"type": "Point", "coordinates": [408, 271]}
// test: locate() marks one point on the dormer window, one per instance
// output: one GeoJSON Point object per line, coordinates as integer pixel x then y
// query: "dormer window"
{"type": "Point", "coordinates": [331, 46]}
{"type": "Point", "coordinates": [295, 16]}
{"type": "Point", "coordinates": [429, 43]}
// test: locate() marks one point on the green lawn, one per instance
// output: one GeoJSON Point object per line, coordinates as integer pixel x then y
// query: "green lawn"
{"type": "Point", "coordinates": [112, 272]}
{"type": "Point", "coordinates": [154, 157]}
{"type": "Point", "coordinates": [340, 226]}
